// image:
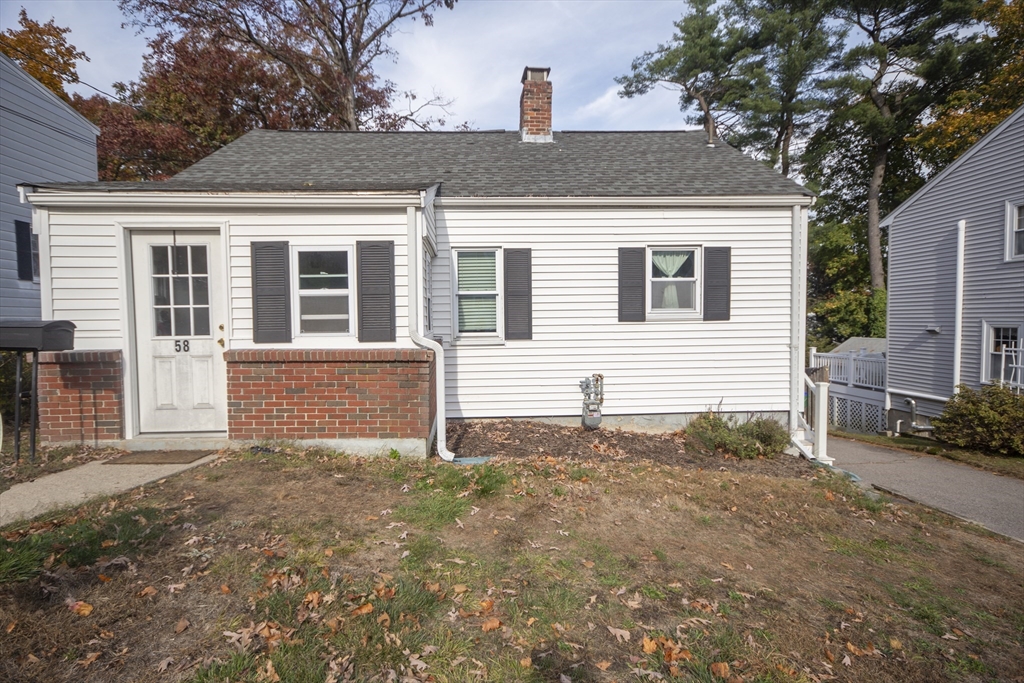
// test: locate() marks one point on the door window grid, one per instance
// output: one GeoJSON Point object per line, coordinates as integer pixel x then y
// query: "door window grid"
{"type": "Point", "coordinates": [181, 290]}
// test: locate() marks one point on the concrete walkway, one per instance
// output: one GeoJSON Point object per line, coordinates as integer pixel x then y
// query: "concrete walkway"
{"type": "Point", "coordinates": [993, 501]}
{"type": "Point", "coordinates": [80, 484]}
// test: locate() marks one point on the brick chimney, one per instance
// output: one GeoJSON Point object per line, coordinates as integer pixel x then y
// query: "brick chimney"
{"type": "Point", "coordinates": [535, 105]}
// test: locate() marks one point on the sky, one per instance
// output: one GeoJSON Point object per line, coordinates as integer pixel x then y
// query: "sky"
{"type": "Point", "coordinates": [473, 55]}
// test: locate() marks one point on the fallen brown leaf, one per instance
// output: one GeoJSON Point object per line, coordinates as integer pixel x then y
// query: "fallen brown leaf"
{"type": "Point", "coordinates": [492, 624]}
{"type": "Point", "coordinates": [82, 609]}
{"type": "Point", "coordinates": [10, 626]}
{"type": "Point", "coordinates": [649, 645]}
{"type": "Point", "coordinates": [460, 588]}
{"type": "Point", "coordinates": [104, 578]}
{"type": "Point", "coordinates": [109, 543]}
{"type": "Point", "coordinates": [88, 659]}
{"type": "Point", "coordinates": [182, 624]}
{"type": "Point", "coordinates": [362, 609]}
{"type": "Point", "coordinates": [621, 634]}
{"type": "Point", "coordinates": [486, 605]}
{"type": "Point", "coordinates": [526, 662]}
{"type": "Point", "coordinates": [225, 589]}
{"type": "Point", "coordinates": [147, 591]}
{"type": "Point", "coordinates": [720, 669]}
{"type": "Point", "coordinates": [603, 665]}
{"type": "Point", "coordinates": [895, 644]}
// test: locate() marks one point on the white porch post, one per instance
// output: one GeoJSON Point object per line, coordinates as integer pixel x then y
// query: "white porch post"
{"type": "Point", "coordinates": [849, 369]}
{"type": "Point", "coordinates": [820, 447]}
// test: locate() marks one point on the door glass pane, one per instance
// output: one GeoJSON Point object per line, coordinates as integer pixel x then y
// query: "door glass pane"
{"type": "Point", "coordinates": [182, 321]}
{"type": "Point", "coordinates": [478, 313]}
{"type": "Point", "coordinates": [201, 317]}
{"type": "Point", "coordinates": [160, 263]}
{"type": "Point", "coordinates": [163, 322]}
{"type": "Point", "coordinates": [181, 291]}
{"type": "Point", "coordinates": [477, 271]}
{"type": "Point", "coordinates": [200, 291]}
{"type": "Point", "coordinates": [162, 291]}
{"type": "Point", "coordinates": [198, 260]}
{"type": "Point", "coordinates": [180, 260]}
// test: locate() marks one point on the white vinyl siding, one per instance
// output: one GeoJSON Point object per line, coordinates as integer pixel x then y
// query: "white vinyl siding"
{"type": "Point", "coordinates": [41, 139]}
{"type": "Point", "coordinates": [664, 366]}
{"type": "Point", "coordinates": [88, 282]}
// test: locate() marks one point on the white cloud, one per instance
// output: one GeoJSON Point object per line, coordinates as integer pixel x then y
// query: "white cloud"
{"type": "Point", "coordinates": [473, 54]}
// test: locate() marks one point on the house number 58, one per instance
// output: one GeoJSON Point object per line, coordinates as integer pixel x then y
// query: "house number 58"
{"type": "Point", "coordinates": [180, 345]}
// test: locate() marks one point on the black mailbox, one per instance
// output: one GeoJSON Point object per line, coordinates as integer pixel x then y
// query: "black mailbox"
{"type": "Point", "coordinates": [37, 335]}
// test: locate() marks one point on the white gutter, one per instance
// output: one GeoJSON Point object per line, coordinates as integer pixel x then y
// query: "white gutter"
{"type": "Point", "coordinates": [415, 220]}
{"type": "Point", "coordinates": [43, 197]}
{"type": "Point", "coordinates": [736, 201]}
{"type": "Point", "coordinates": [958, 312]}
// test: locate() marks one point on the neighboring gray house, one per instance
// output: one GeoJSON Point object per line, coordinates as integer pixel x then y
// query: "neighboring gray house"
{"type": "Point", "coordinates": [41, 139]}
{"type": "Point", "coordinates": [956, 277]}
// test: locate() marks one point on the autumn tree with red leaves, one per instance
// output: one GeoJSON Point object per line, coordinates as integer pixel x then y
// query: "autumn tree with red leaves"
{"type": "Point", "coordinates": [327, 47]}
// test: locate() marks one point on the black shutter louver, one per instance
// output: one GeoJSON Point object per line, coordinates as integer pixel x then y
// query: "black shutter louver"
{"type": "Point", "coordinates": [518, 294]}
{"type": "Point", "coordinates": [23, 247]}
{"type": "Point", "coordinates": [717, 282]}
{"type": "Point", "coordinates": [632, 284]}
{"type": "Point", "coordinates": [375, 279]}
{"type": "Point", "coordinates": [271, 300]}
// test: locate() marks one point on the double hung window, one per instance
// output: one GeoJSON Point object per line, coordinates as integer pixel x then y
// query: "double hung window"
{"type": "Point", "coordinates": [672, 280]}
{"type": "Point", "coordinates": [1014, 231]}
{"type": "Point", "coordinates": [476, 292]}
{"type": "Point", "coordinates": [1003, 354]}
{"type": "Point", "coordinates": [322, 291]}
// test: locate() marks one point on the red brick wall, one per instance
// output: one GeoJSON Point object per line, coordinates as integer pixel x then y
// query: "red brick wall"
{"type": "Point", "coordinates": [81, 396]}
{"type": "Point", "coordinates": [330, 394]}
{"type": "Point", "coordinates": [535, 108]}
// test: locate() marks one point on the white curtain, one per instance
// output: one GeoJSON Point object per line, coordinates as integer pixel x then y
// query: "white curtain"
{"type": "Point", "coordinates": [670, 262]}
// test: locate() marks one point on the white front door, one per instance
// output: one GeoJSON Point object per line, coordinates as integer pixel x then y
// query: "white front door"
{"type": "Point", "coordinates": [179, 331]}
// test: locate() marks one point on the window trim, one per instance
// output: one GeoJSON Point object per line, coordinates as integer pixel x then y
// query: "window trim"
{"type": "Point", "coordinates": [1013, 226]}
{"type": "Point", "coordinates": [499, 307]}
{"type": "Point", "coordinates": [697, 312]}
{"type": "Point", "coordinates": [986, 345]}
{"type": "Point", "coordinates": [296, 293]}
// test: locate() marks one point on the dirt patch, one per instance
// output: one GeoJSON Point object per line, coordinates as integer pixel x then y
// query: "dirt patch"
{"type": "Point", "coordinates": [159, 458]}
{"type": "Point", "coordinates": [518, 439]}
{"type": "Point", "coordinates": [313, 566]}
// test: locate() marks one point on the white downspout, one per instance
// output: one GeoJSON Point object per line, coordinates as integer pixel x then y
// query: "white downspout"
{"type": "Point", "coordinates": [797, 317]}
{"type": "Point", "coordinates": [415, 221]}
{"type": "Point", "coordinates": [958, 312]}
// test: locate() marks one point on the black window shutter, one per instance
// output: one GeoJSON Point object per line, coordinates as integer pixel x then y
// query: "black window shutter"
{"type": "Point", "coordinates": [717, 282]}
{"type": "Point", "coordinates": [271, 300]}
{"type": "Point", "coordinates": [632, 284]}
{"type": "Point", "coordinates": [518, 294]}
{"type": "Point", "coordinates": [375, 278]}
{"type": "Point", "coordinates": [23, 245]}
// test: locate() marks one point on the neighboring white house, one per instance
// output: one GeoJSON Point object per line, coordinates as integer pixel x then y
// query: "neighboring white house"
{"type": "Point", "coordinates": [41, 139]}
{"type": "Point", "coordinates": [309, 285]}
{"type": "Point", "coordinates": [956, 277]}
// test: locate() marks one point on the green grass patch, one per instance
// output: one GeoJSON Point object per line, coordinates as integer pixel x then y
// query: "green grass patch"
{"type": "Point", "coordinates": [80, 543]}
{"type": "Point", "coordinates": [433, 511]}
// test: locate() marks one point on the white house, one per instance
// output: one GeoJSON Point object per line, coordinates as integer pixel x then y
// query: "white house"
{"type": "Point", "coordinates": [41, 138]}
{"type": "Point", "coordinates": [956, 278]}
{"type": "Point", "coordinates": [359, 288]}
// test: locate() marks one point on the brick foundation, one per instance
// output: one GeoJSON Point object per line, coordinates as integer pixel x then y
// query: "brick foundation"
{"type": "Point", "coordinates": [81, 396]}
{"type": "Point", "coordinates": [330, 394]}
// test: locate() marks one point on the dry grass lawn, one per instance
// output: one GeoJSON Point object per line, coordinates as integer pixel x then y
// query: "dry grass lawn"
{"type": "Point", "coordinates": [310, 566]}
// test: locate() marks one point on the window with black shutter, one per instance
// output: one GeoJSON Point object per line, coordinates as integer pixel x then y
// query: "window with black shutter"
{"type": "Point", "coordinates": [518, 294]}
{"type": "Point", "coordinates": [27, 248]}
{"type": "Point", "coordinates": [375, 285]}
{"type": "Point", "coordinates": [271, 300]}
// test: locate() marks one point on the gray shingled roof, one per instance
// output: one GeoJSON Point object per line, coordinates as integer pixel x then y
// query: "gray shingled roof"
{"type": "Point", "coordinates": [476, 164]}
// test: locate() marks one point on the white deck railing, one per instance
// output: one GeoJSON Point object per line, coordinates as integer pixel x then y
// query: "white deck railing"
{"type": "Point", "coordinates": [851, 369]}
{"type": "Point", "coordinates": [1011, 366]}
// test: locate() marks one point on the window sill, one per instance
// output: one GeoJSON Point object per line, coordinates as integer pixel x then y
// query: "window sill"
{"type": "Point", "coordinates": [656, 316]}
{"type": "Point", "coordinates": [478, 341]}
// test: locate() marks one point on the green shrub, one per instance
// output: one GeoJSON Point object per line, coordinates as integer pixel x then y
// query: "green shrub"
{"type": "Point", "coordinates": [758, 436]}
{"type": "Point", "coordinates": [989, 420]}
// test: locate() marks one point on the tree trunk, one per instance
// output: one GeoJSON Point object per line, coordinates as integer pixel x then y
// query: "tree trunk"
{"type": "Point", "coordinates": [878, 160]}
{"type": "Point", "coordinates": [786, 139]}
{"type": "Point", "coordinates": [347, 115]}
